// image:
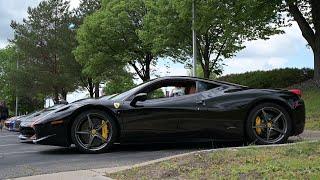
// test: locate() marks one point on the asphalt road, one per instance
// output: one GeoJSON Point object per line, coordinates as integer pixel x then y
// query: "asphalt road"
{"type": "Point", "coordinates": [21, 159]}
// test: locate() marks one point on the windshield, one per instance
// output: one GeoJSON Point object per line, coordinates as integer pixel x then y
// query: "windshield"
{"type": "Point", "coordinates": [107, 96]}
{"type": "Point", "coordinates": [122, 96]}
{"type": "Point", "coordinates": [53, 107]}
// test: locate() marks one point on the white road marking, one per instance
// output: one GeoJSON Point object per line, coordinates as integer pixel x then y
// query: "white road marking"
{"type": "Point", "coordinates": [22, 152]}
{"type": "Point", "coordinates": [4, 145]}
{"type": "Point", "coordinates": [8, 136]}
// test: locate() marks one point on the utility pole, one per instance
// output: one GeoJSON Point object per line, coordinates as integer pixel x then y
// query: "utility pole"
{"type": "Point", "coordinates": [194, 40]}
{"type": "Point", "coordinates": [17, 100]}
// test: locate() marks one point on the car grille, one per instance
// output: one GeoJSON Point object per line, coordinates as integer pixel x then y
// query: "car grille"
{"type": "Point", "coordinates": [27, 131]}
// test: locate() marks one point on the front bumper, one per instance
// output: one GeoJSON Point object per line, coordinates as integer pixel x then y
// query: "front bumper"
{"type": "Point", "coordinates": [36, 141]}
{"type": "Point", "coordinates": [55, 135]}
{"type": "Point", "coordinates": [24, 138]}
{"type": "Point", "coordinates": [26, 132]}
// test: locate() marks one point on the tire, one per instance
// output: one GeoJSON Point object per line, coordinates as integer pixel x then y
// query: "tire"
{"type": "Point", "coordinates": [268, 123]}
{"type": "Point", "coordinates": [96, 135]}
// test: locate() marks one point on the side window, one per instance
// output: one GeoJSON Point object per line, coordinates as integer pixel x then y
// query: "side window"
{"type": "Point", "coordinates": [169, 89]}
{"type": "Point", "coordinates": [156, 94]}
{"type": "Point", "coordinates": [204, 86]}
{"type": "Point", "coordinates": [167, 92]}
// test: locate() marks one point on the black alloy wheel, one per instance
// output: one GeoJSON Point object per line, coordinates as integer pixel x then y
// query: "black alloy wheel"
{"type": "Point", "coordinates": [93, 131]}
{"type": "Point", "coordinates": [268, 123]}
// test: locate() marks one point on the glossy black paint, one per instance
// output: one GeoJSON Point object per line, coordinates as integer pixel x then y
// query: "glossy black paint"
{"type": "Point", "coordinates": [217, 114]}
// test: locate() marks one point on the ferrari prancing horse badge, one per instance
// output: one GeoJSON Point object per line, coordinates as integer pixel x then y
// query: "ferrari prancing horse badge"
{"type": "Point", "coordinates": [116, 105]}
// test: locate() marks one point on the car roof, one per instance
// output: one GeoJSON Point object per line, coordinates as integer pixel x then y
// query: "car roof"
{"type": "Point", "coordinates": [197, 79]}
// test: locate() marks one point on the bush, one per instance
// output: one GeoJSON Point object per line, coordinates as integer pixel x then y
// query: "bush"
{"type": "Point", "coordinates": [277, 78]}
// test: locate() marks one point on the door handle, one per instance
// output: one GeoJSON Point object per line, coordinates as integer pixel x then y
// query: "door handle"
{"type": "Point", "coordinates": [202, 102]}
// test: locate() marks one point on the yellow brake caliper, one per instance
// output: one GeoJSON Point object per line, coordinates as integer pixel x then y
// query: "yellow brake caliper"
{"type": "Point", "coordinates": [258, 123]}
{"type": "Point", "coordinates": [105, 130]}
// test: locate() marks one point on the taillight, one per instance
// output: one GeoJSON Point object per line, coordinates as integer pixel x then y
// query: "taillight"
{"type": "Point", "coordinates": [296, 91]}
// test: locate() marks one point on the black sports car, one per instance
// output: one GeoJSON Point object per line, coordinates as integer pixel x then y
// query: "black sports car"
{"type": "Point", "coordinates": [175, 109]}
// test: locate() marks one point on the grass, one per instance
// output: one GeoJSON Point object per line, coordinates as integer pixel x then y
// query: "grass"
{"type": "Point", "coordinates": [311, 96]}
{"type": "Point", "coordinates": [298, 161]}
{"type": "Point", "coordinates": [312, 101]}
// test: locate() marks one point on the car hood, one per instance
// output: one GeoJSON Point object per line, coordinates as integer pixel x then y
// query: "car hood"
{"type": "Point", "coordinates": [29, 119]}
{"type": "Point", "coordinates": [107, 102]}
{"type": "Point", "coordinates": [85, 101]}
{"type": "Point", "coordinates": [67, 110]}
{"type": "Point", "coordinates": [102, 100]}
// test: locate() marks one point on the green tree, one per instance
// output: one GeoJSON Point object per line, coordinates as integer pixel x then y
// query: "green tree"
{"type": "Point", "coordinates": [117, 33]}
{"type": "Point", "coordinates": [221, 25]}
{"type": "Point", "coordinates": [199, 72]}
{"type": "Point", "coordinates": [86, 8]}
{"type": "Point", "coordinates": [12, 85]}
{"type": "Point", "coordinates": [92, 53]}
{"type": "Point", "coordinates": [307, 14]}
{"type": "Point", "coordinates": [45, 43]}
{"type": "Point", "coordinates": [119, 85]}
{"type": "Point", "coordinates": [7, 64]}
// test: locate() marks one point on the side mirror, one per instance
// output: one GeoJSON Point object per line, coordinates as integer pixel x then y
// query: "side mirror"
{"type": "Point", "coordinates": [138, 98]}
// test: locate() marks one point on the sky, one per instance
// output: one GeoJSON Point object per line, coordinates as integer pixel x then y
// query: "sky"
{"type": "Point", "coordinates": [284, 50]}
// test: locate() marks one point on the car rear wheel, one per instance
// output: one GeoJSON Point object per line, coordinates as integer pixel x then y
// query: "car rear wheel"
{"type": "Point", "coordinates": [268, 123]}
{"type": "Point", "coordinates": [93, 131]}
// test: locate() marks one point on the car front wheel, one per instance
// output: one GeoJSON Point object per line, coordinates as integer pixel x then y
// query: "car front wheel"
{"type": "Point", "coordinates": [93, 131]}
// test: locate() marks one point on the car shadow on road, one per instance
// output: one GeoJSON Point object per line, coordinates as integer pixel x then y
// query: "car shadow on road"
{"type": "Point", "coordinates": [180, 146]}
{"type": "Point", "coordinates": [127, 148]}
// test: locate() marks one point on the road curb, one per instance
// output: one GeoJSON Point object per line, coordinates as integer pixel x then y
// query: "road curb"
{"type": "Point", "coordinates": [69, 175]}
{"type": "Point", "coordinates": [102, 173]}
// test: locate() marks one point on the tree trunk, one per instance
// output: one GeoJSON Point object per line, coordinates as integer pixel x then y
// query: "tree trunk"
{"type": "Point", "coordinates": [312, 37]}
{"type": "Point", "coordinates": [146, 75]}
{"type": "Point", "coordinates": [56, 96]}
{"type": "Point", "coordinates": [91, 87]}
{"type": "Point", "coordinates": [206, 69]}
{"type": "Point", "coordinates": [316, 53]}
{"type": "Point", "coordinates": [206, 58]}
{"type": "Point", "coordinates": [206, 72]}
{"type": "Point", "coordinates": [64, 94]}
{"type": "Point", "coordinates": [96, 89]}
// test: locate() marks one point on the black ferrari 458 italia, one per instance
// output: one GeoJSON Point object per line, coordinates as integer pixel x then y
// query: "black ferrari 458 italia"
{"type": "Point", "coordinates": [172, 109]}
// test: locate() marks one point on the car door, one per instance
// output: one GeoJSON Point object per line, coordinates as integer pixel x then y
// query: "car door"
{"type": "Point", "coordinates": [214, 119]}
{"type": "Point", "coordinates": [206, 125]}
{"type": "Point", "coordinates": [158, 119]}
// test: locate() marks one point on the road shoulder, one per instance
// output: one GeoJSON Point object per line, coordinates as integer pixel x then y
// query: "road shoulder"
{"type": "Point", "coordinates": [101, 174]}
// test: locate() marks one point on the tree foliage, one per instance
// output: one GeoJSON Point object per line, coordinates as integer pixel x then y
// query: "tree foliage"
{"type": "Point", "coordinates": [93, 53]}
{"type": "Point", "coordinates": [45, 43]}
{"type": "Point", "coordinates": [12, 85]}
{"type": "Point", "coordinates": [119, 85]}
{"type": "Point", "coordinates": [221, 25]}
{"type": "Point", "coordinates": [276, 78]}
{"type": "Point", "coordinates": [86, 8]}
{"type": "Point", "coordinates": [115, 35]}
